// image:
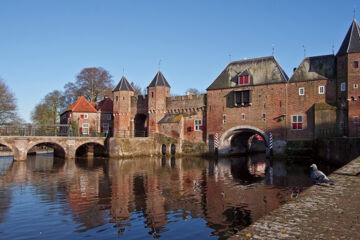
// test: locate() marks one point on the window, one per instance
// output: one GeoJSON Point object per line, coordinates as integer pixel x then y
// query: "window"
{"type": "Point", "coordinates": [86, 116]}
{"type": "Point", "coordinates": [152, 94]}
{"type": "Point", "coordinates": [224, 118]}
{"type": "Point", "coordinates": [297, 122]}
{"type": "Point", "coordinates": [321, 89]}
{"type": "Point", "coordinates": [263, 117]}
{"type": "Point", "coordinates": [85, 129]}
{"type": "Point", "coordinates": [197, 125]}
{"type": "Point", "coordinates": [243, 116]}
{"type": "Point", "coordinates": [242, 98]}
{"type": "Point", "coordinates": [105, 127]}
{"type": "Point", "coordinates": [356, 85]}
{"type": "Point", "coordinates": [108, 117]}
{"type": "Point", "coordinates": [343, 86]}
{"type": "Point", "coordinates": [117, 98]}
{"type": "Point", "coordinates": [243, 80]}
{"type": "Point", "coordinates": [301, 91]}
{"type": "Point", "coordinates": [356, 64]}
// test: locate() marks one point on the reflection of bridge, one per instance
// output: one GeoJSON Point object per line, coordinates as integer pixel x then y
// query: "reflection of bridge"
{"type": "Point", "coordinates": [63, 146]}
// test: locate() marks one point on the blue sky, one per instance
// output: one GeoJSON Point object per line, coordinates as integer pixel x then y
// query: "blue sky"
{"type": "Point", "coordinates": [45, 44]}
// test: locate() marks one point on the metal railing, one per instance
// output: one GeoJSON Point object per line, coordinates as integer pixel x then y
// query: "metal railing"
{"type": "Point", "coordinates": [58, 130]}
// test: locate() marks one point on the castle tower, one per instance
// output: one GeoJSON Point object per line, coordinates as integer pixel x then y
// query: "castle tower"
{"type": "Point", "coordinates": [122, 108]}
{"type": "Point", "coordinates": [348, 80]}
{"type": "Point", "coordinates": [158, 91]}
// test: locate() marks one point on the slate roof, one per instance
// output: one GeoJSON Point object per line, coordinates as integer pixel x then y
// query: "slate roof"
{"type": "Point", "coordinates": [351, 43]}
{"type": "Point", "coordinates": [159, 80]}
{"type": "Point", "coordinates": [123, 85]}
{"type": "Point", "coordinates": [171, 118]}
{"type": "Point", "coordinates": [81, 105]}
{"type": "Point", "coordinates": [265, 70]}
{"type": "Point", "coordinates": [315, 68]}
{"type": "Point", "coordinates": [105, 105]}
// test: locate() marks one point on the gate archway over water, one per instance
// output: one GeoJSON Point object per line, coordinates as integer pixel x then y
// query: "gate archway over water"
{"type": "Point", "coordinates": [243, 139]}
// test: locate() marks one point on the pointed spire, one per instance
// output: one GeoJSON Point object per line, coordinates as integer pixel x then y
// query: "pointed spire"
{"type": "Point", "coordinates": [159, 80]}
{"type": "Point", "coordinates": [123, 85]}
{"type": "Point", "coordinates": [351, 43]}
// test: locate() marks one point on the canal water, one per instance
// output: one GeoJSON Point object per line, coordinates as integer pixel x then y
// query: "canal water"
{"type": "Point", "coordinates": [148, 198]}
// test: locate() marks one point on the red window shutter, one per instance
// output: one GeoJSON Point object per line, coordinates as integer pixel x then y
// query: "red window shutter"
{"type": "Point", "coordinates": [101, 129]}
{"type": "Point", "coordinates": [202, 128]}
{"type": "Point", "coordinates": [299, 126]}
{"type": "Point", "coordinates": [294, 126]}
{"type": "Point", "coordinates": [192, 128]}
{"type": "Point", "coordinates": [89, 130]}
{"type": "Point", "coordinates": [81, 116]}
{"type": "Point", "coordinates": [241, 80]}
{"type": "Point", "coordinates": [81, 129]}
{"type": "Point", "coordinates": [246, 79]}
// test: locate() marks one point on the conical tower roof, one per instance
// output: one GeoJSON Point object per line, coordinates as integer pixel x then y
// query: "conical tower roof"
{"type": "Point", "coordinates": [123, 85]}
{"type": "Point", "coordinates": [159, 80]}
{"type": "Point", "coordinates": [351, 43]}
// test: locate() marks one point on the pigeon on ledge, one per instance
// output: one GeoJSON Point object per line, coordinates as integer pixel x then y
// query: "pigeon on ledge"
{"type": "Point", "coordinates": [318, 176]}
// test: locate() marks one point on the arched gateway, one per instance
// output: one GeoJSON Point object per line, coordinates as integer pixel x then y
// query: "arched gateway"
{"type": "Point", "coordinates": [242, 139]}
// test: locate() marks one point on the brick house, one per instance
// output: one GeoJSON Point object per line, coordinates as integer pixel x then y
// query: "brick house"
{"type": "Point", "coordinates": [251, 101]}
{"type": "Point", "coordinates": [105, 115]}
{"type": "Point", "coordinates": [82, 114]}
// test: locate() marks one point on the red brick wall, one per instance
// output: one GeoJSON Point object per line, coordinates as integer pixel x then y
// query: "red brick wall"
{"type": "Point", "coordinates": [303, 105]}
{"type": "Point", "coordinates": [266, 99]}
{"type": "Point", "coordinates": [122, 113]}
{"type": "Point", "coordinates": [157, 106]}
{"type": "Point", "coordinates": [353, 96]}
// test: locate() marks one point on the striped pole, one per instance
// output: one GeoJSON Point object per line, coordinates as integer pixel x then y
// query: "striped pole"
{"type": "Point", "coordinates": [271, 143]}
{"type": "Point", "coordinates": [216, 142]}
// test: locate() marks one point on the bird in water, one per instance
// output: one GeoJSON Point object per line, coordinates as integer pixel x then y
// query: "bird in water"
{"type": "Point", "coordinates": [318, 176]}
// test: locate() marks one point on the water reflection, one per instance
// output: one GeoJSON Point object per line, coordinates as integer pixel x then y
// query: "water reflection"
{"type": "Point", "coordinates": [138, 198]}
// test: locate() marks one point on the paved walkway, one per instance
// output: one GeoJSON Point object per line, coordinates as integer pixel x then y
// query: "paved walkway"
{"type": "Point", "coordinates": [320, 212]}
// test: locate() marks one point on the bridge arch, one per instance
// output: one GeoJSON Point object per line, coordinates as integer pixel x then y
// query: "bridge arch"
{"type": "Point", "coordinates": [96, 148]}
{"type": "Point", "coordinates": [59, 150]}
{"type": "Point", "coordinates": [5, 144]}
{"type": "Point", "coordinates": [238, 139]}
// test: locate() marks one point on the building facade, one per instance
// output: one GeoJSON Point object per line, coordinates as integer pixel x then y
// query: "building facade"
{"type": "Point", "coordinates": [251, 100]}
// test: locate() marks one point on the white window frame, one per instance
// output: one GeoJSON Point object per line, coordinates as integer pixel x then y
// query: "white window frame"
{"type": "Point", "coordinates": [301, 91]}
{"type": "Point", "coordinates": [321, 89]}
{"type": "Point", "coordinates": [87, 127]}
{"type": "Point", "coordinates": [343, 86]}
{"type": "Point", "coordinates": [197, 124]}
{"type": "Point", "coordinates": [86, 116]}
{"type": "Point", "coordinates": [293, 120]}
{"type": "Point", "coordinates": [356, 85]}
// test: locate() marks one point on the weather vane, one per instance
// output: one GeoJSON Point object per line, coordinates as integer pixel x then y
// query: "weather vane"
{"type": "Point", "coordinates": [304, 50]}
{"type": "Point", "coordinates": [273, 49]}
{"type": "Point", "coordinates": [159, 64]}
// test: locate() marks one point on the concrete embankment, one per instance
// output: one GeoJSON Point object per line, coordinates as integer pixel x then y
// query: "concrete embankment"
{"type": "Point", "coordinates": [320, 212]}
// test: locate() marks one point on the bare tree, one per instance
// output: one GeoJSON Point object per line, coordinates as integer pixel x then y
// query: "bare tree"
{"type": "Point", "coordinates": [93, 83]}
{"type": "Point", "coordinates": [48, 111]}
{"type": "Point", "coordinates": [8, 107]}
{"type": "Point", "coordinates": [137, 89]}
{"type": "Point", "coordinates": [192, 91]}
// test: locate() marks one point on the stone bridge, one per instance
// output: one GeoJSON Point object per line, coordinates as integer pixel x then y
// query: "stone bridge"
{"type": "Point", "coordinates": [63, 146]}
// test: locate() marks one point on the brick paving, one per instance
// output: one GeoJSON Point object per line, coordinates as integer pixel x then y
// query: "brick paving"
{"type": "Point", "coordinates": [320, 212]}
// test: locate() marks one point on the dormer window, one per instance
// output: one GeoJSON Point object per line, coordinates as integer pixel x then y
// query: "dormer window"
{"type": "Point", "coordinates": [243, 80]}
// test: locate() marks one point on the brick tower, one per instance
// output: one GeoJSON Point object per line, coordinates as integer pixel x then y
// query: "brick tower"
{"type": "Point", "coordinates": [348, 80]}
{"type": "Point", "coordinates": [122, 108]}
{"type": "Point", "coordinates": [158, 91]}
